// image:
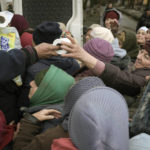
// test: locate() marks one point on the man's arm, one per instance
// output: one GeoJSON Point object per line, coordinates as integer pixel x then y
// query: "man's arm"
{"type": "Point", "coordinates": [14, 62]}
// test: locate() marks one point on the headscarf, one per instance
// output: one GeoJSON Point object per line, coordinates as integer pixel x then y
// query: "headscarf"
{"type": "Point", "coordinates": [74, 94]}
{"type": "Point", "coordinates": [53, 86]}
{"type": "Point", "coordinates": [130, 43]}
{"type": "Point", "coordinates": [99, 121]}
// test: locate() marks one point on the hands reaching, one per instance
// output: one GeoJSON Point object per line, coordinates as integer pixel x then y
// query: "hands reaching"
{"type": "Point", "coordinates": [47, 114]}
{"type": "Point", "coordinates": [76, 51]}
{"type": "Point", "coordinates": [45, 50]}
{"type": "Point", "coordinates": [114, 27]}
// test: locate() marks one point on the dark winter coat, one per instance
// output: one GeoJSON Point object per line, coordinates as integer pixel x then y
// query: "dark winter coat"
{"type": "Point", "coordinates": [128, 83]}
{"type": "Point", "coordinates": [28, 138]}
{"type": "Point", "coordinates": [13, 63]}
{"type": "Point", "coordinates": [69, 65]}
{"type": "Point", "coordinates": [141, 120]}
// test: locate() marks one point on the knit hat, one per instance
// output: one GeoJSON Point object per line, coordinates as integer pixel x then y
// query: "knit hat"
{"type": "Point", "coordinates": [94, 26]}
{"type": "Point", "coordinates": [143, 28]}
{"type": "Point", "coordinates": [99, 121]}
{"type": "Point", "coordinates": [75, 92]}
{"type": "Point", "coordinates": [112, 15]}
{"type": "Point", "coordinates": [46, 32]}
{"type": "Point", "coordinates": [100, 49]}
{"type": "Point", "coordinates": [147, 47]}
{"type": "Point", "coordinates": [53, 85]}
{"type": "Point", "coordinates": [102, 33]}
{"type": "Point", "coordinates": [20, 23]}
{"type": "Point", "coordinates": [26, 39]}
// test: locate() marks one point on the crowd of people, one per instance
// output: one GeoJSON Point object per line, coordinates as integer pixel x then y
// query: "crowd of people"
{"type": "Point", "coordinates": [56, 94]}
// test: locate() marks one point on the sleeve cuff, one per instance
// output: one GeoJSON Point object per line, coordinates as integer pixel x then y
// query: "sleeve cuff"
{"type": "Point", "coordinates": [31, 55]}
{"type": "Point", "coordinates": [98, 68]}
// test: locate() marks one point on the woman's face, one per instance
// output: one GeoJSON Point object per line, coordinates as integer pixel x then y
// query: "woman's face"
{"type": "Point", "coordinates": [88, 36]}
{"type": "Point", "coordinates": [109, 21]}
{"type": "Point", "coordinates": [33, 88]}
{"type": "Point", "coordinates": [141, 37]}
{"type": "Point", "coordinates": [147, 37]}
{"type": "Point", "coordinates": [143, 60]}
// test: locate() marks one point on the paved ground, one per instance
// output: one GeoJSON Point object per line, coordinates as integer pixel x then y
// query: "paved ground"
{"type": "Point", "coordinates": [135, 14]}
{"type": "Point", "coordinates": [128, 21]}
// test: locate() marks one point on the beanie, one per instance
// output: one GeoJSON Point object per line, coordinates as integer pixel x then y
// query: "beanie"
{"type": "Point", "coordinates": [112, 15]}
{"type": "Point", "coordinates": [100, 49]}
{"type": "Point", "coordinates": [94, 26]}
{"type": "Point", "coordinates": [147, 47]}
{"type": "Point", "coordinates": [26, 39]}
{"type": "Point", "coordinates": [46, 32]}
{"type": "Point", "coordinates": [102, 33]}
{"type": "Point", "coordinates": [20, 23]}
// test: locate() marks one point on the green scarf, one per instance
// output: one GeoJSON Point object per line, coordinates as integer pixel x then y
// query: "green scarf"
{"type": "Point", "coordinates": [53, 86]}
{"type": "Point", "coordinates": [130, 44]}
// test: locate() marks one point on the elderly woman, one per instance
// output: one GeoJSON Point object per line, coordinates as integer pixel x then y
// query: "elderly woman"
{"type": "Point", "coordinates": [48, 90]}
{"type": "Point", "coordinates": [98, 48]}
{"type": "Point", "coordinates": [128, 83]}
{"type": "Point", "coordinates": [141, 35]}
{"type": "Point", "coordinates": [88, 129]}
{"type": "Point", "coordinates": [89, 30]}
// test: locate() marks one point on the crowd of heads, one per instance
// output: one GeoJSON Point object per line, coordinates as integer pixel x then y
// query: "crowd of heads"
{"type": "Point", "coordinates": [94, 115]}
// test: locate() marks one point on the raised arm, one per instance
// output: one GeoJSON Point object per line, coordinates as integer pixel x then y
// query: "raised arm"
{"type": "Point", "coordinates": [15, 61]}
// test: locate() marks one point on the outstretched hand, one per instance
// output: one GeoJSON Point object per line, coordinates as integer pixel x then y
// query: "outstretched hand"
{"type": "Point", "coordinates": [114, 27]}
{"type": "Point", "coordinates": [45, 50]}
{"type": "Point", "coordinates": [76, 51]}
{"type": "Point", "coordinates": [47, 114]}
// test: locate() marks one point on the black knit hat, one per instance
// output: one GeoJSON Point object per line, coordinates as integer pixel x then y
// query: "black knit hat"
{"type": "Point", "coordinates": [46, 32]}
